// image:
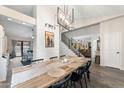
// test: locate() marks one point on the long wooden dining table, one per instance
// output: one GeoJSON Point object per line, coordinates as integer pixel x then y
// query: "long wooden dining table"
{"type": "Point", "coordinates": [44, 80]}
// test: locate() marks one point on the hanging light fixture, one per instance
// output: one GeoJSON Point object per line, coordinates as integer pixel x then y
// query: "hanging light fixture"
{"type": "Point", "coordinates": [65, 17]}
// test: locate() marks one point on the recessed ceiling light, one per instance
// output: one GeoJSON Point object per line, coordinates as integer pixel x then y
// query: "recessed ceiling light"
{"type": "Point", "coordinates": [23, 23]}
{"type": "Point", "coordinates": [10, 19]}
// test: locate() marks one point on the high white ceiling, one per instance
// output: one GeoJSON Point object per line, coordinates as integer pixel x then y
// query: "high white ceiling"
{"type": "Point", "coordinates": [86, 12]}
{"type": "Point", "coordinates": [89, 12]}
{"type": "Point", "coordinates": [82, 12]}
{"type": "Point", "coordinates": [25, 9]}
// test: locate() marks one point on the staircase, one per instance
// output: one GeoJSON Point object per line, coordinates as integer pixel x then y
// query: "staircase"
{"type": "Point", "coordinates": [70, 44]}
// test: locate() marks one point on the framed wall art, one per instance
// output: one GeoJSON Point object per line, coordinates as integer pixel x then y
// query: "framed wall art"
{"type": "Point", "coordinates": [49, 39]}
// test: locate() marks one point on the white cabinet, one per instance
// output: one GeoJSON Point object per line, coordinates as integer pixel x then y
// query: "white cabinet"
{"type": "Point", "coordinates": [1, 40]}
{"type": "Point", "coordinates": [3, 69]}
{"type": "Point", "coordinates": [3, 61]}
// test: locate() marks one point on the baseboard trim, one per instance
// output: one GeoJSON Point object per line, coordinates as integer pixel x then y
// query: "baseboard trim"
{"type": "Point", "coordinates": [121, 68]}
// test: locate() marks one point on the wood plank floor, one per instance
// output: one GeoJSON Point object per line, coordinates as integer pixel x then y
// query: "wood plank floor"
{"type": "Point", "coordinates": [101, 77]}
{"type": "Point", "coordinates": [106, 77]}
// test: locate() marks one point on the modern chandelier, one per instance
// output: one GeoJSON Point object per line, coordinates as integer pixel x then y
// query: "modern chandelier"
{"type": "Point", "coordinates": [65, 17]}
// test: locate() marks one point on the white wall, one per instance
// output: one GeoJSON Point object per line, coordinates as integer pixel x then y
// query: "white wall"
{"type": "Point", "coordinates": [45, 14]}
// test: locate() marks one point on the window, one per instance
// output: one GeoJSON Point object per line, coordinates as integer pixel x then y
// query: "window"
{"type": "Point", "coordinates": [26, 46]}
{"type": "Point", "coordinates": [22, 47]}
{"type": "Point", "coordinates": [18, 49]}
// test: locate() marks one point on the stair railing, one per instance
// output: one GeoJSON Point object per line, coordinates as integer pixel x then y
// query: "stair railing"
{"type": "Point", "coordinates": [69, 43]}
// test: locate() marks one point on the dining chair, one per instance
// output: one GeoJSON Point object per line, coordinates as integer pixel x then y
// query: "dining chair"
{"type": "Point", "coordinates": [63, 83]}
{"type": "Point", "coordinates": [87, 71]}
{"type": "Point", "coordinates": [77, 76]}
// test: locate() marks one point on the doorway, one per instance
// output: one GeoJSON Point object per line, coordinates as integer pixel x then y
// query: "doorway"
{"type": "Point", "coordinates": [112, 49]}
{"type": "Point", "coordinates": [22, 47]}
{"type": "Point", "coordinates": [111, 40]}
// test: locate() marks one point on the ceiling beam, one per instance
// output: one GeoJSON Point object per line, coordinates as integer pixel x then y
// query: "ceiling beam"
{"type": "Point", "coordinates": [17, 15]}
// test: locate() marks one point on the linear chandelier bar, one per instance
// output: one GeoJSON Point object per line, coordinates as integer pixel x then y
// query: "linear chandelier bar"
{"type": "Point", "coordinates": [65, 17]}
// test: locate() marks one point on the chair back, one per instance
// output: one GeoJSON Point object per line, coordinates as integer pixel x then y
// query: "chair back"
{"type": "Point", "coordinates": [63, 83]}
{"type": "Point", "coordinates": [88, 65]}
{"type": "Point", "coordinates": [81, 70]}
